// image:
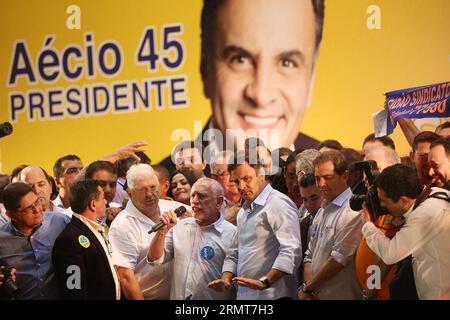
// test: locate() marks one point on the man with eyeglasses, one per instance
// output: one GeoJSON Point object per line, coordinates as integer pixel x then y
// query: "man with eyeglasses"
{"type": "Point", "coordinates": [27, 240]}
{"type": "Point", "coordinates": [232, 200]}
{"type": "Point", "coordinates": [65, 170]}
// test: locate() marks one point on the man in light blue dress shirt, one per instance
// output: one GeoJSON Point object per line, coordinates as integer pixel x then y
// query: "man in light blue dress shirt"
{"type": "Point", "coordinates": [265, 255]}
{"type": "Point", "coordinates": [26, 242]}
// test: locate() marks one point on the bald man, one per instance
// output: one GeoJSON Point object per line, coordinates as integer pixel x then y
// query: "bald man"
{"type": "Point", "coordinates": [39, 181]}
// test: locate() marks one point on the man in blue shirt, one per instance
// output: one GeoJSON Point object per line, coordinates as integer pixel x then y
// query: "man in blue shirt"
{"type": "Point", "coordinates": [267, 251]}
{"type": "Point", "coordinates": [26, 242]}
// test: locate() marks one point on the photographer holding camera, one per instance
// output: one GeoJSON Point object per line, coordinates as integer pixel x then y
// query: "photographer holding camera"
{"type": "Point", "coordinates": [425, 234]}
{"type": "Point", "coordinates": [375, 161]}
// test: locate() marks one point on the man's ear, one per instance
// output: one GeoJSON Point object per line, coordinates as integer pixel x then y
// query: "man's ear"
{"type": "Point", "coordinates": [345, 175]}
{"type": "Point", "coordinates": [58, 182]}
{"type": "Point", "coordinates": [405, 202]}
{"type": "Point", "coordinates": [92, 205]}
{"type": "Point", "coordinates": [411, 156]}
{"type": "Point", "coordinates": [219, 202]}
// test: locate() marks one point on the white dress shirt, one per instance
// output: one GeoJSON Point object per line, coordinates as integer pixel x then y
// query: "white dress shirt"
{"type": "Point", "coordinates": [335, 233]}
{"type": "Point", "coordinates": [268, 238]}
{"type": "Point", "coordinates": [130, 242]}
{"type": "Point", "coordinates": [198, 254]}
{"type": "Point", "coordinates": [426, 236]}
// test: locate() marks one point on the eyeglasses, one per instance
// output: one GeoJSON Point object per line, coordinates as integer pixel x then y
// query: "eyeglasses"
{"type": "Point", "coordinates": [35, 206]}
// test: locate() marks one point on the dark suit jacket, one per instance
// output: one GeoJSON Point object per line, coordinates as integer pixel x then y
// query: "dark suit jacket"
{"type": "Point", "coordinates": [97, 281]}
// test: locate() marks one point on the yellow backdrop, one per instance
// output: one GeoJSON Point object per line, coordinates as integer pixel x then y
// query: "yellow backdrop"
{"type": "Point", "coordinates": [356, 66]}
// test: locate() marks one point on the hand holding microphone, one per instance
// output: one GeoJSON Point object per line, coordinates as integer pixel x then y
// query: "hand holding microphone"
{"type": "Point", "coordinates": [169, 219]}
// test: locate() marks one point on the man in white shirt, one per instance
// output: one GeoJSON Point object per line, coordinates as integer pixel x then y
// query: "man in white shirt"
{"type": "Point", "coordinates": [265, 255]}
{"type": "Point", "coordinates": [130, 239]}
{"type": "Point", "coordinates": [197, 245]}
{"type": "Point", "coordinates": [329, 265]}
{"type": "Point", "coordinates": [425, 234]}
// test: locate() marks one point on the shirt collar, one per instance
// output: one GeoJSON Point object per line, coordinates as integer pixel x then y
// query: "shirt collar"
{"type": "Point", "coordinates": [218, 224]}
{"type": "Point", "coordinates": [93, 224]}
{"type": "Point", "coordinates": [261, 199]}
{"type": "Point", "coordinates": [342, 198]}
{"type": "Point", "coordinates": [20, 234]}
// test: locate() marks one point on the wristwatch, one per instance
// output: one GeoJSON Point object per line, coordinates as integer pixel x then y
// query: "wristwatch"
{"type": "Point", "coordinates": [265, 282]}
{"type": "Point", "coordinates": [303, 288]}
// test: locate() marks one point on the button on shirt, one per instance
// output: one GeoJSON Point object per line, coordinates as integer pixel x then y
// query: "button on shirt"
{"type": "Point", "coordinates": [198, 254]}
{"type": "Point", "coordinates": [268, 237]}
{"type": "Point", "coordinates": [32, 256]}
{"type": "Point", "coordinates": [335, 233]}
{"type": "Point", "coordinates": [130, 242]}
{"type": "Point", "coordinates": [426, 236]}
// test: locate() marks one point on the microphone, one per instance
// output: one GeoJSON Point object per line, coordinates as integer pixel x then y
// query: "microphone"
{"type": "Point", "coordinates": [178, 211]}
{"type": "Point", "coordinates": [6, 129]}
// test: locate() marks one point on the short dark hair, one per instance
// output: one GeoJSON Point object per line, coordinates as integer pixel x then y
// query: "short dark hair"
{"type": "Point", "coordinates": [308, 180]}
{"type": "Point", "coordinates": [162, 171]}
{"type": "Point", "coordinates": [385, 140]}
{"type": "Point", "coordinates": [399, 180]}
{"type": "Point", "coordinates": [190, 177]}
{"type": "Point", "coordinates": [58, 169]}
{"type": "Point", "coordinates": [424, 136]}
{"type": "Point", "coordinates": [188, 144]}
{"type": "Point", "coordinates": [351, 155]}
{"type": "Point", "coordinates": [16, 171]}
{"type": "Point", "coordinates": [99, 165]}
{"type": "Point", "coordinates": [82, 192]}
{"type": "Point", "coordinates": [443, 141]}
{"type": "Point", "coordinates": [442, 126]}
{"type": "Point", "coordinates": [283, 151]}
{"type": "Point", "coordinates": [291, 157]}
{"type": "Point", "coordinates": [208, 17]}
{"type": "Point", "coordinates": [330, 143]}
{"type": "Point", "coordinates": [338, 160]}
{"type": "Point", "coordinates": [244, 157]}
{"type": "Point", "coordinates": [13, 194]}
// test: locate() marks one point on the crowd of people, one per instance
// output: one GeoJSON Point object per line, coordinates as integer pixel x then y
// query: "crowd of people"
{"type": "Point", "coordinates": [311, 220]}
{"type": "Point", "coordinates": [258, 224]}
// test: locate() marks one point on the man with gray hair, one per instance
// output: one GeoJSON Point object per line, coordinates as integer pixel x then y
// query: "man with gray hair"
{"type": "Point", "coordinates": [130, 239]}
{"type": "Point", "coordinates": [197, 245]}
{"type": "Point", "coordinates": [304, 162]}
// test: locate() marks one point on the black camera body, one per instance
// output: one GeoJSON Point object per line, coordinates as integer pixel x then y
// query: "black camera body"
{"type": "Point", "coordinates": [369, 167]}
{"type": "Point", "coordinates": [9, 285]}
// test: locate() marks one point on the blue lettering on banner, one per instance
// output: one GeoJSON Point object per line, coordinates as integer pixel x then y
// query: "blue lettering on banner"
{"type": "Point", "coordinates": [432, 101]}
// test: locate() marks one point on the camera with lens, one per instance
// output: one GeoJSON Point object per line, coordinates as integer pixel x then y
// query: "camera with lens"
{"type": "Point", "coordinates": [371, 198]}
{"type": "Point", "coordinates": [8, 284]}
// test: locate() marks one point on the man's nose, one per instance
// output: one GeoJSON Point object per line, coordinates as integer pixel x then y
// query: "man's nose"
{"type": "Point", "coordinates": [261, 89]}
{"type": "Point", "coordinates": [431, 172]}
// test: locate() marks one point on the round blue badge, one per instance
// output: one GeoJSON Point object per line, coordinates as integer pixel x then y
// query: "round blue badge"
{"type": "Point", "coordinates": [207, 252]}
